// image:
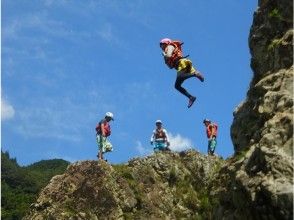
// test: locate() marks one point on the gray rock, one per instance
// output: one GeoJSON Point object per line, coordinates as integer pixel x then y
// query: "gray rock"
{"type": "Point", "coordinates": [162, 186]}
{"type": "Point", "coordinates": [261, 187]}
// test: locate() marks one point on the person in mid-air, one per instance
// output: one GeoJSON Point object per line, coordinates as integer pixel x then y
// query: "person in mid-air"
{"type": "Point", "coordinates": [173, 57]}
{"type": "Point", "coordinates": [159, 138]}
{"type": "Point", "coordinates": [103, 131]}
{"type": "Point", "coordinates": [211, 132]}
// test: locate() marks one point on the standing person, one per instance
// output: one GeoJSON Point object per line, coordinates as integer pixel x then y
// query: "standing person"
{"type": "Point", "coordinates": [159, 137]}
{"type": "Point", "coordinates": [173, 57]}
{"type": "Point", "coordinates": [211, 132]}
{"type": "Point", "coordinates": [103, 131]}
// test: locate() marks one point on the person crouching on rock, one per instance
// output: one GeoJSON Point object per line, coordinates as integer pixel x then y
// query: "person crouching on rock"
{"type": "Point", "coordinates": [159, 138]}
{"type": "Point", "coordinates": [103, 131]}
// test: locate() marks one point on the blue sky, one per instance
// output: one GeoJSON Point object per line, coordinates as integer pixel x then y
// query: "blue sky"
{"type": "Point", "coordinates": [66, 63]}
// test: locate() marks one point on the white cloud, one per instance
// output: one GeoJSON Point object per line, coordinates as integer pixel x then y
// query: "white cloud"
{"type": "Point", "coordinates": [107, 33]}
{"type": "Point", "coordinates": [61, 118]}
{"type": "Point", "coordinates": [46, 27]}
{"type": "Point", "coordinates": [7, 110]}
{"type": "Point", "coordinates": [142, 150]}
{"type": "Point", "coordinates": [179, 143]}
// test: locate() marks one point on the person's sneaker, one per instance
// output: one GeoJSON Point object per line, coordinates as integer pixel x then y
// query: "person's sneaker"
{"type": "Point", "coordinates": [191, 101]}
{"type": "Point", "coordinates": [199, 76]}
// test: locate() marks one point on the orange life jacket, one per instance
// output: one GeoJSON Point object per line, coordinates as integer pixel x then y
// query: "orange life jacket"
{"type": "Point", "coordinates": [176, 55]}
{"type": "Point", "coordinates": [106, 125]}
{"type": "Point", "coordinates": [159, 133]}
{"type": "Point", "coordinates": [209, 130]}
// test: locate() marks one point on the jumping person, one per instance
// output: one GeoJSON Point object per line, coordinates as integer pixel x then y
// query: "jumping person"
{"type": "Point", "coordinates": [173, 57]}
{"type": "Point", "coordinates": [211, 132]}
{"type": "Point", "coordinates": [103, 131]}
{"type": "Point", "coordinates": [160, 138]}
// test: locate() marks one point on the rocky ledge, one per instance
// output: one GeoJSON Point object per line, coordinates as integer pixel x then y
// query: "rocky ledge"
{"type": "Point", "coordinates": [165, 185]}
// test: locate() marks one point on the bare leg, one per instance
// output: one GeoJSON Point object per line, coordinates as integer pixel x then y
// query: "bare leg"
{"type": "Point", "coordinates": [100, 155]}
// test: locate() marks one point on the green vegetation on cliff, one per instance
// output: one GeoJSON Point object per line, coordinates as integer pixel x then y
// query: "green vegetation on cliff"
{"type": "Point", "coordinates": [21, 185]}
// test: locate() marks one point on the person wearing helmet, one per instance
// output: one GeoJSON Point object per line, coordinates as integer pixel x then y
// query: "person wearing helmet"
{"type": "Point", "coordinates": [211, 132]}
{"type": "Point", "coordinates": [159, 138]}
{"type": "Point", "coordinates": [173, 57]}
{"type": "Point", "coordinates": [103, 131]}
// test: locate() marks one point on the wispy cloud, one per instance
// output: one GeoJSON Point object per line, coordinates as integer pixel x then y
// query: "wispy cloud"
{"type": "Point", "coordinates": [179, 143]}
{"type": "Point", "coordinates": [58, 118]}
{"type": "Point", "coordinates": [7, 110]}
{"type": "Point", "coordinates": [48, 29]}
{"type": "Point", "coordinates": [143, 151]}
{"type": "Point", "coordinates": [43, 25]}
{"type": "Point", "coordinates": [107, 33]}
{"type": "Point", "coordinates": [69, 117]}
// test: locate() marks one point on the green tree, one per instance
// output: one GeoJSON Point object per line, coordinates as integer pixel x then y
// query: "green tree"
{"type": "Point", "coordinates": [20, 185]}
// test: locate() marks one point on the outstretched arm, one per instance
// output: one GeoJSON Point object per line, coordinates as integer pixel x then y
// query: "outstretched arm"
{"type": "Point", "coordinates": [152, 138]}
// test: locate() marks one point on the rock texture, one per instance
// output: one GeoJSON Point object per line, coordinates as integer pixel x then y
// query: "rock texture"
{"type": "Point", "coordinates": [161, 186]}
{"type": "Point", "coordinates": [268, 107]}
{"type": "Point", "coordinates": [258, 182]}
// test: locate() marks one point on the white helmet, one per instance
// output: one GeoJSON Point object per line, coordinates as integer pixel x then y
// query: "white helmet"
{"type": "Point", "coordinates": [158, 122]}
{"type": "Point", "coordinates": [206, 120]}
{"type": "Point", "coordinates": [109, 115]}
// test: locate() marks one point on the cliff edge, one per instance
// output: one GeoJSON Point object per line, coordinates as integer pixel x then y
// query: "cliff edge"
{"type": "Point", "coordinates": [257, 183]}
{"type": "Point", "coordinates": [162, 186]}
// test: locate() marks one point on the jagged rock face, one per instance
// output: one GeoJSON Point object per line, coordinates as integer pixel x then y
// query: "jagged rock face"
{"type": "Point", "coordinates": [161, 186]}
{"type": "Point", "coordinates": [268, 108]}
{"type": "Point", "coordinates": [258, 182]}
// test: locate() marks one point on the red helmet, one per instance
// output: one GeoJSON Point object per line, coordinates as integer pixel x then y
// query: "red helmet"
{"type": "Point", "coordinates": [165, 41]}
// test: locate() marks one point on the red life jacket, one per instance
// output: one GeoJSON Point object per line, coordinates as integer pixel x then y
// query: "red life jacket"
{"type": "Point", "coordinates": [209, 131]}
{"type": "Point", "coordinates": [160, 134]}
{"type": "Point", "coordinates": [176, 55]}
{"type": "Point", "coordinates": [106, 125]}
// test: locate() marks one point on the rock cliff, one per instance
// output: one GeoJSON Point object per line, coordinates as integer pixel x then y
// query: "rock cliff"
{"type": "Point", "coordinates": [162, 186]}
{"type": "Point", "coordinates": [265, 117]}
{"type": "Point", "coordinates": [258, 182]}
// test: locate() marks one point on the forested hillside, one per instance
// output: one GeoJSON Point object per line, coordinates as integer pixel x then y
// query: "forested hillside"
{"type": "Point", "coordinates": [21, 185]}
